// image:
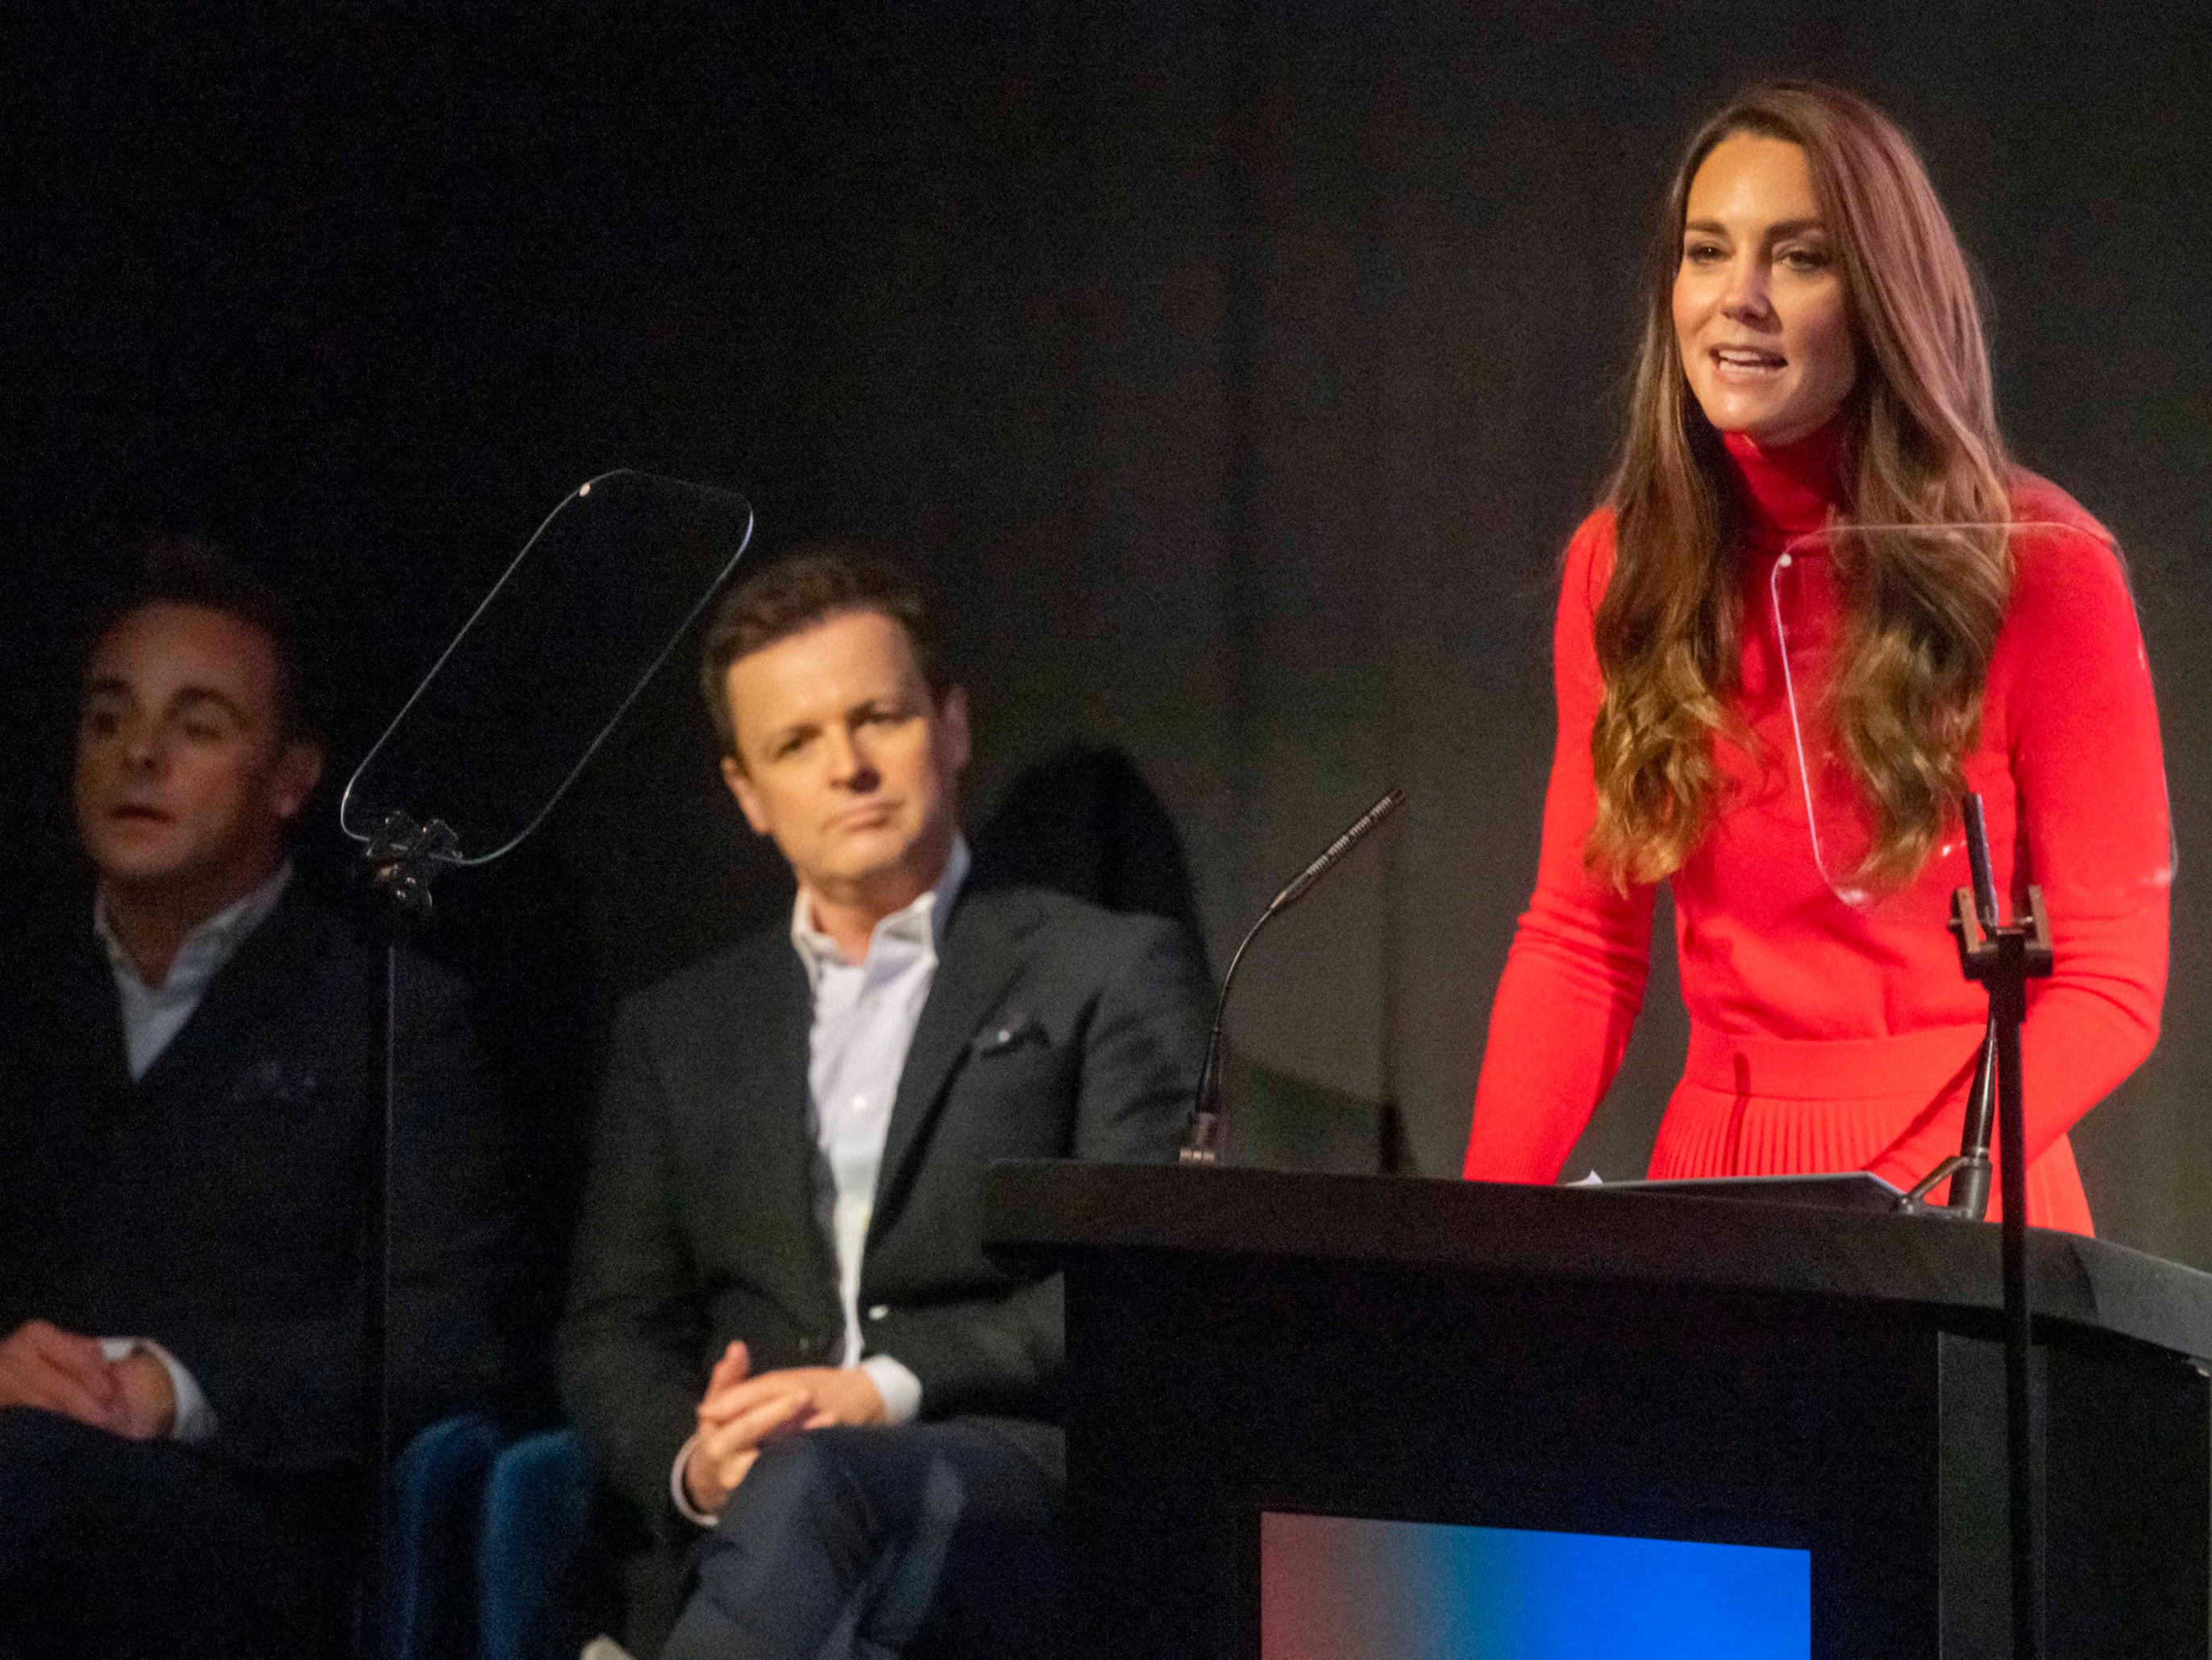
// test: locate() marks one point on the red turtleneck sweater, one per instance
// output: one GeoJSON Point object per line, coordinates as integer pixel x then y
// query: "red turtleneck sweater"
{"type": "Point", "coordinates": [1828, 1033]}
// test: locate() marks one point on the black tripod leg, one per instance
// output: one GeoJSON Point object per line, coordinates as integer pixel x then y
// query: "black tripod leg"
{"type": "Point", "coordinates": [2021, 1414]}
{"type": "Point", "coordinates": [375, 1317]}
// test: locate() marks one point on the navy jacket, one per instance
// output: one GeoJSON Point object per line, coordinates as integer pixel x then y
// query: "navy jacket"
{"type": "Point", "coordinates": [218, 1204]}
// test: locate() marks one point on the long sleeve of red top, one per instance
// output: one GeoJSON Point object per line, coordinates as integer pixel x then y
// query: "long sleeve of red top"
{"type": "Point", "coordinates": [1574, 980]}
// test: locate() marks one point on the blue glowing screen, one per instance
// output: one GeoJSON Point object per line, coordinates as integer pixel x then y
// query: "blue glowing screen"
{"type": "Point", "coordinates": [1340, 1587]}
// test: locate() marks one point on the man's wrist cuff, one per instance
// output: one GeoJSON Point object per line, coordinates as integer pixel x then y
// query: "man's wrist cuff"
{"type": "Point", "coordinates": [900, 1388]}
{"type": "Point", "coordinates": [195, 1420]}
{"type": "Point", "coordinates": [678, 1495]}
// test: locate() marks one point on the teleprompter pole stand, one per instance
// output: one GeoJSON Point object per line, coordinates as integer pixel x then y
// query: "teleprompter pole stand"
{"type": "Point", "coordinates": [2002, 957]}
{"type": "Point", "coordinates": [1983, 955]}
{"type": "Point", "coordinates": [403, 857]}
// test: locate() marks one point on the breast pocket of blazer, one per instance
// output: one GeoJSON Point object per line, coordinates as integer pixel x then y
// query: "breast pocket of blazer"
{"type": "Point", "coordinates": [1018, 1089]}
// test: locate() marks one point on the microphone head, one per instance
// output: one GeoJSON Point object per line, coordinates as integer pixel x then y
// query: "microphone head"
{"type": "Point", "coordinates": [1295, 889]}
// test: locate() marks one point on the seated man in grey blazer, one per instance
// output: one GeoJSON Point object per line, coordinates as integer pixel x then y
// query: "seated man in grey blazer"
{"type": "Point", "coordinates": [784, 1338]}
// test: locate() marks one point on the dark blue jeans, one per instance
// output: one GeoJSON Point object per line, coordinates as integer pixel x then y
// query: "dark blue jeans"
{"type": "Point", "coordinates": [116, 1547]}
{"type": "Point", "coordinates": [928, 1540]}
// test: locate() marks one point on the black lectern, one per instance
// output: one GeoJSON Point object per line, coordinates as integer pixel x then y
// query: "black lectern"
{"type": "Point", "coordinates": [1243, 1344]}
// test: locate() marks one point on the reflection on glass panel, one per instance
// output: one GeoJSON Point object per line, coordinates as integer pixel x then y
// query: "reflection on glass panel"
{"type": "Point", "coordinates": [2107, 857]}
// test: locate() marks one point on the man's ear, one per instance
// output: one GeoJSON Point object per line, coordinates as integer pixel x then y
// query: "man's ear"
{"type": "Point", "coordinates": [748, 794]}
{"type": "Point", "coordinates": [952, 722]}
{"type": "Point", "coordinates": [298, 769]}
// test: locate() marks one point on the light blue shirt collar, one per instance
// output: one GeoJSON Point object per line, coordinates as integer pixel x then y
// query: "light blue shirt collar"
{"type": "Point", "coordinates": [152, 1015]}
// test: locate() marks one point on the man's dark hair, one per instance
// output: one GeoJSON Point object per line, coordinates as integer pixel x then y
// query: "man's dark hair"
{"type": "Point", "coordinates": [179, 570]}
{"type": "Point", "coordinates": [810, 584]}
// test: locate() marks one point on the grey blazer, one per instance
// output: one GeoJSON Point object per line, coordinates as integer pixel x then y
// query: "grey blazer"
{"type": "Point", "coordinates": [1053, 1030]}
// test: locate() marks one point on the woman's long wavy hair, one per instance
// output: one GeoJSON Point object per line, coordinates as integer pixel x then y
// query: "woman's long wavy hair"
{"type": "Point", "coordinates": [1921, 447]}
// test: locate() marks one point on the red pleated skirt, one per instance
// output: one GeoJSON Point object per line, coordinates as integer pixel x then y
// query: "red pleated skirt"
{"type": "Point", "coordinates": [1771, 1106]}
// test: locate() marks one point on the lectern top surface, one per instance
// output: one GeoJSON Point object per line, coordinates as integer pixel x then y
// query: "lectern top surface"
{"type": "Point", "coordinates": [1952, 1269]}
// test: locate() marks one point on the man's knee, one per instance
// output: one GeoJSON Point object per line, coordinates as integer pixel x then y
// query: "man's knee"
{"type": "Point", "coordinates": [793, 1544]}
{"type": "Point", "coordinates": [31, 1435]}
{"type": "Point", "coordinates": [36, 1462]}
{"type": "Point", "coordinates": [803, 1484]}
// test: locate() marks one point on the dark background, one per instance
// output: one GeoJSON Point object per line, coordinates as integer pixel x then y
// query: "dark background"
{"type": "Point", "coordinates": [1240, 370]}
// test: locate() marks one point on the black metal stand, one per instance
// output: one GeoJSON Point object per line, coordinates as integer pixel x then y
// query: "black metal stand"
{"type": "Point", "coordinates": [404, 859]}
{"type": "Point", "coordinates": [1206, 1139]}
{"type": "Point", "coordinates": [2003, 958]}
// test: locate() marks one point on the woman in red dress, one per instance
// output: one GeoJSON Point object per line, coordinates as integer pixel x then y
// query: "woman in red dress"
{"type": "Point", "coordinates": [1762, 592]}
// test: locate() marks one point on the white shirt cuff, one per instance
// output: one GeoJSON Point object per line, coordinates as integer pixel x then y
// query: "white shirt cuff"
{"type": "Point", "coordinates": [195, 1419]}
{"type": "Point", "coordinates": [677, 1495]}
{"type": "Point", "coordinates": [901, 1388]}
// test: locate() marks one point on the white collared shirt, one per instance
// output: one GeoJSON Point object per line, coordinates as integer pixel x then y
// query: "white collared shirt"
{"type": "Point", "coordinates": [152, 1016]}
{"type": "Point", "coordinates": [864, 1016]}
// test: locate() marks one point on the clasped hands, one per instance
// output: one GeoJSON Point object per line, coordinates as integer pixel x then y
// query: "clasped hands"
{"type": "Point", "coordinates": [741, 1413]}
{"type": "Point", "coordinates": [60, 1371]}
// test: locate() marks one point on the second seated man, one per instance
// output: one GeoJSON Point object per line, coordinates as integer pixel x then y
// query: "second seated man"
{"type": "Point", "coordinates": [784, 1337]}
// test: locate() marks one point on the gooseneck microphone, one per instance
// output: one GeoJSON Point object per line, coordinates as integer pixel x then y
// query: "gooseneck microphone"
{"type": "Point", "coordinates": [1207, 1137]}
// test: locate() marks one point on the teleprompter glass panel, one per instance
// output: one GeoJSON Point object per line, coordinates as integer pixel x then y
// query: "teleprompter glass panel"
{"type": "Point", "coordinates": [2069, 687]}
{"type": "Point", "coordinates": [508, 718]}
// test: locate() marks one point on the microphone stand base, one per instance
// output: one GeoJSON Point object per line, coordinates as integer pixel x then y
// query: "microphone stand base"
{"type": "Point", "coordinates": [1969, 1175]}
{"type": "Point", "coordinates": [1201, 1142]}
